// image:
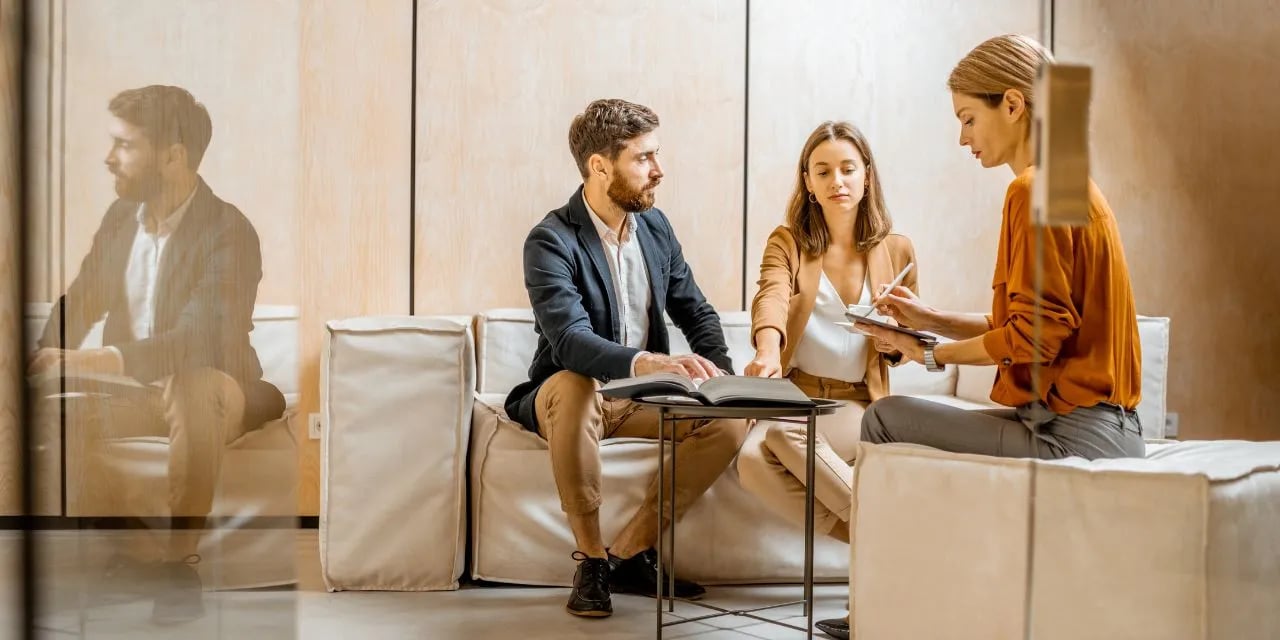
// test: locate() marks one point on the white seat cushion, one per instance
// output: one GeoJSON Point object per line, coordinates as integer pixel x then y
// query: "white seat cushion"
{"type": "Point", "coordinates": [1181, 544]}
{"type": "Point", "coordinates": [958, 402]}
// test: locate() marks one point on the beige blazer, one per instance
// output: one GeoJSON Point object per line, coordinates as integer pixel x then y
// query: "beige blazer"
{"type": "Point", "coordinates": [788, 286]}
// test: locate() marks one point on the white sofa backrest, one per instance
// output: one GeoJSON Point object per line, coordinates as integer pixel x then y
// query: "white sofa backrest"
{"type": "Point", "coordinates": [506, 341]}
{"type": "Point", "coordinates": [274, 337]}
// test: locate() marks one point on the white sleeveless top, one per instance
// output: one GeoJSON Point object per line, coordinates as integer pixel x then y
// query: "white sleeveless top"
{"type": "Point", "coordinates": [827, 349]}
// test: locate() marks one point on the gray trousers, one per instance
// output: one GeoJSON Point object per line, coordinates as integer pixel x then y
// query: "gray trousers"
{"type": "Point", "coordinates": [1030, 431]}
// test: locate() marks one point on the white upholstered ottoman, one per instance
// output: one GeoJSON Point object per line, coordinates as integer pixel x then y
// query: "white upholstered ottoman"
{"type": "Point", "coordinates": [1182, 544]}
{"type": "Point", "coordinates": [396, 398]}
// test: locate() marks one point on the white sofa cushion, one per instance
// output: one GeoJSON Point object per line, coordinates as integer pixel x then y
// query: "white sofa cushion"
{"type": "Point", "coordinates": [520, 535]}
{"type": "Point", "coordinates": [1180, 544]}
{"type": "Point", "coordinates": [506, 342]}
{"type": "Point", "coordinates": [912, 379]}
{"type": "Point", "coordinates": [396, 402]}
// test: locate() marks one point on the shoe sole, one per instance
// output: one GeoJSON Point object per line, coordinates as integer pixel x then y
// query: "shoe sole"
{"type": "Point", "coordinates": [589, 614]}
{"type": "Point", "coordinates": [834, 633]}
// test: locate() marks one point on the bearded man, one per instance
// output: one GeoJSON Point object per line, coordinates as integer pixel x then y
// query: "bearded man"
{"type": "Point", "coordinates": [174, 270]}
{"type": "Point", "coordinates": [601, 271]}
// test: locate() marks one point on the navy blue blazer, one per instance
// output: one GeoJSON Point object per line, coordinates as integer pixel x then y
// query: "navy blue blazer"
{"type": "Point", "coordinates": [576, 310]}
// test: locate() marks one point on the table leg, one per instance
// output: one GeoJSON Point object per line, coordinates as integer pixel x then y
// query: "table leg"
{"type": "Point", "coordinates": [671, 525]}
{"type": "Point", "coordinates": [662, 469]}
{"type": "Point", "coordinates": [808, 522]}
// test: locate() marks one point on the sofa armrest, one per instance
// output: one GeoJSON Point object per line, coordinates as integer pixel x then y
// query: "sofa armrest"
{"type": "Point", "coordinates": [396, 397]}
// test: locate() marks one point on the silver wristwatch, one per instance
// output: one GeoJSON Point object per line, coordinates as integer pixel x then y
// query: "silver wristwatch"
{"type": "Point", "coordinates": [930, 362]}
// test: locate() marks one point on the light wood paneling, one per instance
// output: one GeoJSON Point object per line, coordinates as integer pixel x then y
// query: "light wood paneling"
{"type": "Point", "coordinates": [882, 66]}
{"type": "Point", "coordinates": [499, 82]}
{"type": "Point", "coordinates": [355, 65]}
{"type": "Point", "coordinates": [239, 58]}
{"type": "Point", "coordinates": [1185, 118]}
{"type": "Point", "coordinates": [10, 286]}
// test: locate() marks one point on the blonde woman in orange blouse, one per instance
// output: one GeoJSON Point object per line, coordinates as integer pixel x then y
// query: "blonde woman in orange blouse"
{"type": "Point", "coordinates": [1086, 359]}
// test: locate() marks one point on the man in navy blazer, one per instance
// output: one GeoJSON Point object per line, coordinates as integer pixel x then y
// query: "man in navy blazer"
{"type": "Point", "coordinates": [174, 270]}
{"type": "Point", "coordinates": [601, 271]}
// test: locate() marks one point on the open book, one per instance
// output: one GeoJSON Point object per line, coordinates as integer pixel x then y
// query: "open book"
{"type": "Point", "coordinates": [740, 391]}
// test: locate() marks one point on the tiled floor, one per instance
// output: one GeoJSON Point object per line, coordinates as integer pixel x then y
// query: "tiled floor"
{"type": "Point", "coordinates": [72, 561]}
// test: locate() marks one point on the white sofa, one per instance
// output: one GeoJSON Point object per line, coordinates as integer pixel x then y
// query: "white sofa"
{"type": "Point", "coordinates": [393, 406]}
{"type": "Point", "coordinates": [129, 476]}
{"type": "Point", "coordinates": [520, 535]}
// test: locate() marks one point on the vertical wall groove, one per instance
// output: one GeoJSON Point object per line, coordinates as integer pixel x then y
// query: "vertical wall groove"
{"type": "Point", "coordinates": [413, 155]}
{"type": "Point", "coordinates": [746, 140]}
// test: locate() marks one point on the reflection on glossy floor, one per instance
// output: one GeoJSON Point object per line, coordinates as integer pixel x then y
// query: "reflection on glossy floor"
{"type": "Point", "coordinates": [77, 602]}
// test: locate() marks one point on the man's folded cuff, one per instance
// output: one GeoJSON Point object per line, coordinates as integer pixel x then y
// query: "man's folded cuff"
{"type": "Point", "coordinates": [634, 360]}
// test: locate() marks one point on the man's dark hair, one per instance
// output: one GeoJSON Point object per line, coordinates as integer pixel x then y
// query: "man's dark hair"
{"type": "Point", "coordinates": [167, 115]}
{"type": "Point", "coordinates": [605, 127]}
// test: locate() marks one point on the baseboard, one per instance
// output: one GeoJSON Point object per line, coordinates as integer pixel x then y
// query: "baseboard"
{"type": "Point", "coordinates": [61, 523]}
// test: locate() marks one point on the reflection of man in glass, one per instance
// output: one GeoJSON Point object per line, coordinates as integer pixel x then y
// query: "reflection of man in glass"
{"type": "Point", "coordinates": [175, 270]}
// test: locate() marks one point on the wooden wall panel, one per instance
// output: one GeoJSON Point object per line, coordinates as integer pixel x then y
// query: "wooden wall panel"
{"type": "Point", "coordinates": [10, 285]}
{"type": "Point", "coordinates": [239, 58]}
{"type": "Point", "coordinates": [882, 66]}
{"type": "Point", "coordinates": [1185, 118]}
{"type": "Point", "coordinates": [355, 65]}
{"type": "Point", "coordinates": [498, 84]}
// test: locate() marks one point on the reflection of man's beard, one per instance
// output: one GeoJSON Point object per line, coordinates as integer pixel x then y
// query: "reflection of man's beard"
{"type": "Point", "coordinates": [138, 188]}
{"type": "Point", "coordinates": [632, 200]}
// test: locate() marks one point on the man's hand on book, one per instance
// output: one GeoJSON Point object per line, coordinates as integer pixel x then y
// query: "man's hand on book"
{"type": "Point", "coordinates": [75, 361]}
{"type": "Point", "coordinates": [692, 366]}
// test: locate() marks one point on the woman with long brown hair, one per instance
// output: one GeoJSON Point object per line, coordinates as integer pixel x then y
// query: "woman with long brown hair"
{"type": "Point", "coordinates": [837, 249]}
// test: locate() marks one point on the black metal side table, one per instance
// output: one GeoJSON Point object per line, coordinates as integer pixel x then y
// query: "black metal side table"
{"type": "Point", "coordinates": [672, 410]}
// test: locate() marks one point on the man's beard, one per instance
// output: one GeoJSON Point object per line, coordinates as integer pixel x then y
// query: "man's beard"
{"type": "Point", "coordinates": [138, 188]}
{"type": "Point", "coordinates": [632, 200]}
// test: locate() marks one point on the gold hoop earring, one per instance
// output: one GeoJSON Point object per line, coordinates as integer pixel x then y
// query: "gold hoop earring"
{"type": "Point", "coordinates": [813, 198]}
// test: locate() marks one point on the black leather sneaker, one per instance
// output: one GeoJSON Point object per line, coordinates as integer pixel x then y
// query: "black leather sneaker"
{"type": "Point", "coordinates": [590, 595]}
{"type": "Point", "coordinates": [837, 628]}
{"type": "Point", "coordinates": [639, 575]}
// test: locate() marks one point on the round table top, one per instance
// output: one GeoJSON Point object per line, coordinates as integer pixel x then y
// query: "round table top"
{"type": "Point", "coordinates": [684, 407]}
